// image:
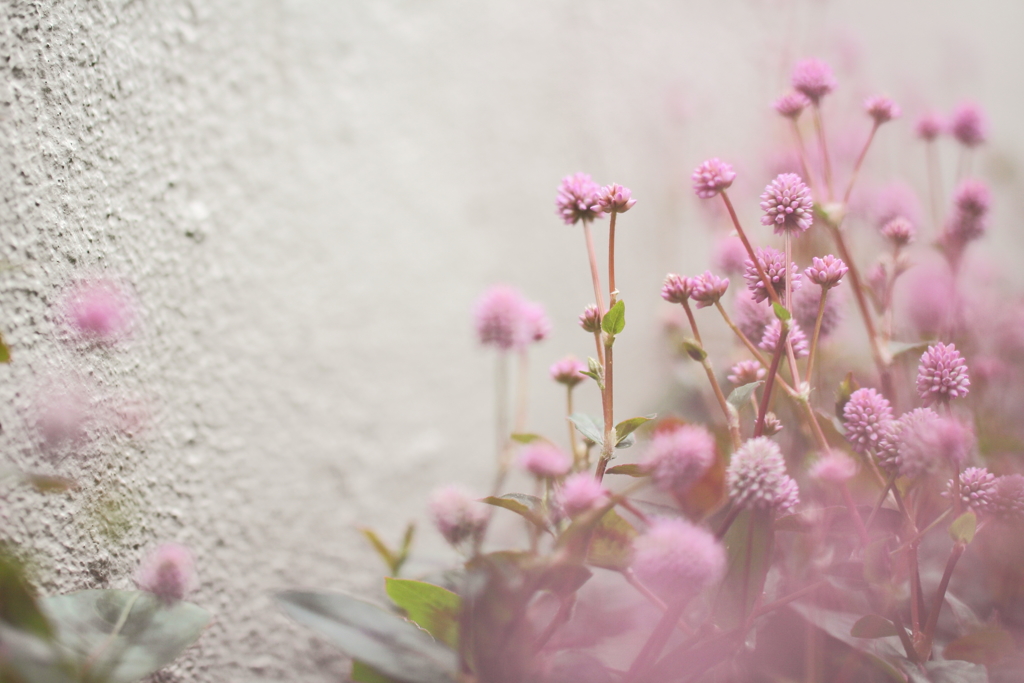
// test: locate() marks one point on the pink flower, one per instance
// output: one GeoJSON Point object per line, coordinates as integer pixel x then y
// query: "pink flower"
{"type": "Point", "coordinates": [98, 310]}
{"type": "Point", "coordinates": [977, 490]}
{"type": "Point", "coordinates": [834, 467]}
{"type": "Point", "coordinates": [677, 559]}
{"type": "Point", "coordinates": [895, 200]}
{"type": "Point", "coordinates": [787, 204]}
{"type": "Point", "coordinates": [972, 197]}
{"type": "Point", "coordinates": [567, 371]}
{"type": "Point", "coordinates": [678, 458]}
{"type": "Point", "coordinates": [545, 461]}
{"type": "Point", "coordinates": [614, 199]}
{"type": "Point", "coordinates": [770, 338]}
{"type": "Point", "coordinates": [578, 199]}
{"type": "Point", "coordinates": [929, 126]}
{"type": "Point", "coordinates": [805, 310]}
{"type": "Point", "coordinates": [792, 104]}
{"type": "Point", "coordinates": [1008, 497]}
{"type": "Point", "coordinates": [168, 573]}
{"type": "Point", "coordinates": [590, 319]}
{"type": "Point", "coordinates": [773, 262]}
{"type": "Point", "coordinates": [746, 371]}
{"type": "Point", "coordinates": [899, 231]}
{"type": "Point", "coordinates": [61, 417]}
{"type": "Point", "coordinates": [752, 316]}
{"type": "Point", "coordinates": [499, 318]}
{"type": "Point", "coordinates": [864, 416]}
{"type": "Point", "coordinates": [711, 177]}
{"type": "Point", "coordinates": [707, 289]}
{"type": "Point", "coordinates": [456, 514]}
{"type": "Point", "coordinates": [676, 288]}
{"type": "Point", "coordinates": [942, 374]}
{"type": "Point", "coordinates": [881, 109]}
{"type": "Point", "coordinates": [917, 451]}
{"type": "Point", "coordinates": [757, 477]}
{"type": "Point", "coordinates": [538, 327]}
{"type": "Point", "coordinates": [968, 124]}
{"type": "Point", "coordinates": [826, 272]}
{"type": "Point", "coordinates": [729, 255]}
{"type": "Point", "coordinates": [581, 493]}
{"type": "Point", "coordinates": [813, 78]}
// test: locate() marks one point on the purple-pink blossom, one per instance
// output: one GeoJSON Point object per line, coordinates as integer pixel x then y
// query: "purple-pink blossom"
{"type": "Point", "coordinates": [677, 559]}
{"type": "Point", "coordinates": [773, 262]}
{"type": "Point", "coordinates": [968, 124]}
{"type": "Point", "coordinates": [917, 451]}
{"type": "Point", "coordinates": [752, 314]}
{"type": "Point", "coordinates": [581, 493]}
{"type": "Point", "coordinates": [168, 572]}
{"type": "Point", "coordinates": [457, 515]}
{"type": "Point", "coordinates": [942, 374]}
{"type": "Point", "coordinates": [881, 109]}
{"type": "Point", "coordinates": [676, 289]}
{"type": "Point", "coordinates": [506, 320]}
{"type": "Point", "coordinates": [98, 310]}
{"type": "Point", "coordinates": [899, 231]}
{"type": "Point", "coordinates": [577, 199]}
{"type": "Point", "coordinates": [711, 177]}
{"type": "Point", "coordinates": [797, 338]}
{"type": "Point", "coordinates": [677, 458]}
{"type": "Point", "coordinates": [545, 460]}
{"type": "Point", "coordinates": [864, 416]}
{"type": "Point", "coordinates": [792, 104]}
{"type": "Point", "coordinates": [567, 371]}
{"type": "Point", "coordinates": [615, 198]}
{"type": "Point", "coordinates": [805, 310]}
{"type": "Point", "coordinates": [813, 78]}
{"type": "Point", "coordinates": [835, 467]}
{"type": "Point", "coordinates": [746, 372]}
{"type": "Point", "coordinates": [1008, 497]}
{"type": "Point", "coordinates": [729, 255]}
{"type": "Point", "coordinates": [707, 289]}
{"type": "Point", "coordinates": [827, 271]}
{"type": "Point", "coordinates": [590, 319]}
{"type": "Point", "coordinates": [787, 204]}
{"type": "Point", "coordinates": [929, 126]}
{"type": "Point", "coordinates": [756, 477]}
{"type": "Point", "coordinates": [977, 490]}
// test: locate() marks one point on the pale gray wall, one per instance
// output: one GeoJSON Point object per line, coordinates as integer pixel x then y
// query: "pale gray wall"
{"type": "Point", "coordinates": [307, 196]}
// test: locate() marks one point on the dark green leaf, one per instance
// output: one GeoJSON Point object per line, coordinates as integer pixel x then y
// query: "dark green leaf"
{"type": "Point", "coordinates": [694, 350]}
{"type": "Point", "coordinates": [748, 543]}
{"type": "Point", "coordinates": [630, 470]}
{"type": "Point", "coordinates": [740, 396]}
{"type": "Point", "coordinates": [588, 427]}
{"type": "Point", "coordinates": [364, 673]}
{"type": "Point", "coordinates": [390, 558]}
{"type": "Point", "coordinates": [18, 606]}
{"type": "Point", "coordinates": [963, 527]}
{"type": "Point", "coordinates": [627, 441]}
{"type": "Point", "coordinates": [873, 626]}
{"type": "Point", "coordinates": [611, 544]}
{"type": "Point", "coordinates": [565, 579]}
{"type": "Point", "coordinates": [392, 646]}
{"type": "Point", "coordinates": [151, 637]}
{"type": "Point", "coordinates": [627, 427]}
{"type": "Point", "coordinates": [780, 312]}
{"type": "Point", "coordinates": [529, 507]}
{"type": "Point", "coordinates": [434, 609]}
{"type": "Point", "coordinates": [985, 646]}
{"type": "Point", "coordinates": [615, 319]}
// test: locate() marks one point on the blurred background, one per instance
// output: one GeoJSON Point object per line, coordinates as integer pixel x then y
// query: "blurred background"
{"type": "Point", "coordinates": [304, 198]}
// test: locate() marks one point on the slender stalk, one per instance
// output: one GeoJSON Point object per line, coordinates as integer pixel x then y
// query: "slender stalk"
{"type": "Point", "coordinates": [858, 164]}
{"type": "Point", "coordinates": [750, 250]}
{"type": "Point", "coordinates": [819, 126]}
{"type": "Point", "coordinates": [693, 321]}
{"type": "Point", "coordinates": [923, 532]}
{"type": "Point", "coordinates": [934, 183]}
{"type": "Point", "coordinates": [600, 348]}
{"type": "Point", "coordinates": [731, 421]}
{"type": "Point", "coordinates": [817, 333]}
{"type": "Point", "coordinates": [656, 642]}
{"type": "Point", "coordinates": [631, 579]}
{"type": "Point", "coordinates": [501, 422]}
{"type": "Point", "coordinates": [770, 381]}
{"type": "Point", "coordinates": [730, 517]}
{"type": "Point", "coordinates": [858, 523]}
{"type": "Point", "coordinates": [802, 149]}
{"type": "Point", "coordinates": [611, 259]}
{"type": "Point", "coordinates": [577, 452]}
{"type": "Point", "coordinates": [754, 351]}
{"type": "Point", "coordinates": [794, 369]}
{"type": "Point", "coordinates": [560, 618]}
{"type": "Point", "coordinates": [594, 274]}
{"type": "Point", "coordinates": [522, 390]}
{"type": "Point", "coordinates": [608, 448]}
{"type": "Point", "coordinates": [940, 596]}
{"type": "Point", "coordinates": [881, 499]}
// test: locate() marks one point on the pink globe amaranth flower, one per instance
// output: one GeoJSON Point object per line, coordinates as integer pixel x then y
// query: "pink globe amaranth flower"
{"type": "Point", "coordinates": [457, 515]}
{"type": "Point", "coordinates": [942, 374]}
{"type": "Point", "coordinates": [581, 493]}
{"type": "Point", "coordinates": [977, 490]}
{"type": "Point", "coordinates": [677, 559]}
{"type": "Point", "coordinates": [676, 289]}
{"type": "Point", "coordinates": [968, 124]}
{"type": "Point", "coordinates": [895, 200]}
{"type": "Point", "coordinates": [752, 315]}
{"type": "Point", "coordinates": [567, 371]}
{"type": "Point", "coordinates": [899, 231]}
{"type": "Point", "coordinates": [614, 198]}
{"type": "Point", "coordinates": [677, 458]}
{"type": "Point", "coordinates": [969, 219]}
{"type": "Point", "coordinates": [826, 272]}
{"type": "Point", "coordinates": [864, 416]}
{"type": "Point", "coordinates": [787, 204]}
{"type": "Point", "coordinates": [499, 318]}
{"type": "Point", "coordinates": [973, 197]}
{"type": "Point", "coordinates": [813, 78]}
{"type": "Point", "coordinates": [577, 199]}
{"type": "Point", "coordinates": [929, 126]}
{"type": "Point", "coordinates": [796, 338]}
{"type": "Point", "coordinates": [711, 177]}
{"type": "Point", "coordinates": [708, 289]}
{"type": "Point", "coordinates": [746, 372]}
{"type": "Point", "coordinates": [590, 319]}
{"type": "Point", "coordinates": [917, 451]}
{"type": "Point", "coordinates": [1008, 497]}
{"type": "Point", "coordinates": [887, 447]}
{"type": "Point", "coordinates": [835, 467]}
{"type": "Point", "coordinates": [881, 109]}
{"type": "Point", "coordinates": [773, 262]}
{"type": "Point", "coordinates": [805, 310]}
{"type": "Point", "coordinates": [729, 255]}
{"type": "Point", "coordinates": [538, 327]}
{"type": "Point", "coordinates": [98, 310]}
{"type": "Point", "coordinates": [545, 461]}
{"type": "Point", "coordinates": [792, 104]}
{"type": "Point", "coordinates": [757, 479]}
{"type": "Point", "coordinates": [772, 426]}
{"type": "Point", "coordinates": [168, 573]}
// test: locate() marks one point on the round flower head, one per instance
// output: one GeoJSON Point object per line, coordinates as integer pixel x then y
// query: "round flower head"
{"type": "Point", "coordinates": [864, 416]}
{"type": "Point", "coordinates": [752, 316]}
{"type": "Point", "coordinates": [729, 255]}
{"type": "Point", "coordinates": [677, 559]}
{"type": "Point", "coordinates": [826, 272]}
{"type": "Point", "coordinates": [545, 461]}
{"type": "Point", "coordinates": [881, 109]}
{"type": "Point", "coordinates": [972, 197]}
{"type": "Point", "coordinates": [834, 467]}
{"type": "Point", "coordinates": [745, 372]}
{"type": "Point", "coordinates": [98, 311]}
{"type": "Point", "coordinates": [590, 319]}
{"type": "Point", "coordinates": [813, 78]}
{"type": "Point", "coordinates": [805, 310]}
{"type": "Point", "coordinates": [677, 458]}
{"type": "Point", "coordinates": [61, 417]}
{"type": "Point", "coordinates": [711, 177]}
{"type": "Point", "coordinates": [796, 338]}
{"type": "Point", "coordinates": [787, 204]}
{"type": "Point", "coordinates": [917, 452]}
{"type": "Point", "coordinates": [615, 198]}
{"type": "Point", "coordinates": [899, 231]}
{"type": "Point", "coordinates": [581, 493]}
{"type": "Point", "coordinates": [954, 441]}
{"type": "Point", "coordinates": [538, 327]}
{"type": "Point", "coordinates": [942, 374]}
{"type": "Point", "coordinates": [977, 490]}
{"type": "Point", "coordinates": [757, 477]}
{"type": "Point", "coordinates": [792, 104]}
{"type": "Point", "coordinates": [708, 288]}
{"type": "Point", "coordinates": [676, 289]}
{"type": "Point", "coordinates": [499, 318]}
{"type": "Point", "coordinates": [929, 126]}
{"type": "Point", "coordinates": [887, 447]}
{"type": "Point", "coordinates": [456, 514]}
{"type": "Point", "coordinates": [894, 200]}
{"type": "Point", "coordinates": [1008, 497]}
{"type": "Point", "coordinates": [567, 371]}
{"type": "Point", "coordinates": [168, 573]}
{"type": "Point", "coordinates": [577, 199]}
{"type": "Point", "coordinates": [773, 262]}
{"type": "Point", "coordinates": [968, 125]}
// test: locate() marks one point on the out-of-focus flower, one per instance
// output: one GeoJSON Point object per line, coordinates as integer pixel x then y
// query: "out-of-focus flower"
{"type": "Point", "coordinates": [773, 262]}
{"type": "Point", "coordinates": [729, 255]}
{"type": "Point", "coordinates": [708, 288]}
{"type": "Point", "coordinates": [805, 310]}
{"type": "Point", "coordinates": [545, 461]}
{"type": "Point", "coordinates": [615, 198]}
{"type": "Point", "coordinates": [745, 372]}
{"type": "Point", "coordinates": [456, 514]}
{"type": "Point", "coordinates": [881, 109]}
{"type": "Point", "coordinates": [899, 231]}
{"type": "Point", "coordinates": [538, 327]}
{"type": "Point", "coordinates": [968, 220]}
{"type": "Point", "coordinates": [787, 205]}
{"type": "Point", "coordinates": [894, 200]}
{"type": "Point", "coordinates": [677, 559]}
{"type": "Point", "coordinates": [827, 271]}
{"type": "Point", "coordinates": [813, 78]}
{"type": "Point", "coordinates": [792, 104]}
{"type": "Point", "coordinates": [1008, 497]}
{"type": "Point", "coordinates": [835, 467]}
{"type": "Point", "coordinates": [60, 417]}
{"type": "Point", "coordinates": [864, 416]}
{"type": "Point", "coordinates": [499, 317]}
{"type": "Point", "coordinates": [567, 371]}
{"type": "Point", "coordinates": [942, 374]}
{"type": "Point", "coordinates": [676, 288]}
{"type": "Point", "coordinates": [757, 477]}
{"type": "Point", "coordinates": [581, 493]}
{"type": "Point", "coordinates": [98, 310]}
{"type": "Point", "coordinates": [677, 458]}
{"type": "Point", "coordinates": [796, 338]}
{"type": "Point", "coordinates": [168, 573]}
{"type": "Point", "coordinates": [590, 319]}
{"type": "Point", "coordinates": [577, 199]}
{"type": "Point", "coordinates": [917, 453]}
{"type": "Point", "coordinates": [752, 316]}
{"type": "Point", "coordinates": [968, 124]}
{"type": "Point", "coordinates": [929, 126]}
{"type": "Point", "coordinates": [711, 177]}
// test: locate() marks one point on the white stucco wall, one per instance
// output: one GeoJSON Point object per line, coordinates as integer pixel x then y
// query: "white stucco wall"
{"type": "Point", "coordinates": [306, 197]}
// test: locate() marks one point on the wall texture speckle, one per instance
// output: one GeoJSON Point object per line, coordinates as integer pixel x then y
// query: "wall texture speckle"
{"type": "Point", "coordinates": [304, 198]}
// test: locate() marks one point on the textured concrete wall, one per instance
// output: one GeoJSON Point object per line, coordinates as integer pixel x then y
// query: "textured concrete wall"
{"type": "Point", "coordinates": [305, 198]}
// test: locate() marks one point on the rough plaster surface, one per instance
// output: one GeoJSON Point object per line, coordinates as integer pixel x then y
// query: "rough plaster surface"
{"type": "Point", "coordinates": [304, 199]}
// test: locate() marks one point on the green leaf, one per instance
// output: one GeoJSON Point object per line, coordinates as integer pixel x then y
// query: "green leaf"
{"type": "Point", "coordinates": [389, 644]}
{"type": "Point", "coordinates": [873, 626]}
{"type": "Point", "coordinates": [780, 312]}
{"type": "Point", "coordinates": [27, 658]}
{"type": "Point", "coordinates": [529, 507]}
{"type": "Point", "coordinates": [5, 351]}
{"type": "Point", "coordinates": [18, 606]}
{"type": "Point", "coordinates": [748, 544]}
{"type": "Point", "coordinates": [630, 470]}
{"type": "Point", "coordinates": [364, 673]}
{"type": "Point", "coordinates": [389, 557]}
{"type": "Point", "coordinates": [151, 636]}
{"type": "Point", "coordinates": [527, 438]}
{"type": "Point", "coordinates": [589, 427]}
{"type": "Point", "coordinates": [985, 646]}
{"type": "Point", "coordinates": [611, 544]}
{"type": "Point", "coordinates": [963, 527]}
{"type": "Point", "coordinates": [899, 348]}
{"type": "Point", "coordinates": [694, 350]}
{"type": "Point", "coordinates": [434, 609]}
{"type": "Point", "coordinates": [740, 396]}
{"type": "Point", "coordinates": [627, 427]}
{"type": "Point", "coordinates": [615, 319]}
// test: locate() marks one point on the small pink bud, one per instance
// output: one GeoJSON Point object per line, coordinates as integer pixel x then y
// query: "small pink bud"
{"type": "Point", "coordinates": [677, 559]}
{"type": "Point", "coordinates": [456, 514]}
{"type": "Point", "coordinates": [746, 372]}
{"type": "Point", "coordinates": [929, 126]}
{"type": "Point", "coordinates": [792, 104]}
{"type": "Point", "coordinates": [787, 205]}
{"type": "Point", "coordinates": [813, 78]}
{"type": "Point", "coordinates": [544, 461]}
{"type": "Point", "coordinates": [614, 198]}
{"type": "Point", "coordinates": [567, 371]}
{"type": "Point", "coordinates": [711, 177]}
{"type": "Point", "coordinates": [676, 289]}
{"type": "Point", "coordinates": [942, 374]}
{"type": "Point", "coordinates": [581, 493]}
{"type": "Point", "coordinates": [968, 124]}
{"type": "Point", "coordinates": [826, 272]}
{"type": "Point", "coordinates": [708, 289]}
{"type": "Point", "coordinates": [590, 319]}
{"type": "Point", "coordinates": [835, 467]}
{"type": "Point", "coordinates": [881, 109]}
{"type": "Point", "coordinates": [168, 572]}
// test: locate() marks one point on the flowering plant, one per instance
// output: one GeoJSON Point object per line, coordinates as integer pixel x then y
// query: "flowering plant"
{"type": "Point", "coordinates": [808, 526]}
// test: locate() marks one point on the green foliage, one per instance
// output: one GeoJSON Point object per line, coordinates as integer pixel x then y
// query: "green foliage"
{"type": "Point", "coordinates": [364, 673]}
{"type": "Point", "coordinates": [589, 427]}
{"type": "Point", "coordinates": [781, 312]}
{"type": "Point", "coordinates": [630, 470]}
{"type": "Point", "coordinates": [694, 350]}
{"type": "Point", "coordinates": [963, 527]}
{"type": "Point", "coordinates": [432, 608]}
{"type": "Point", "coordinates": [394, 560]}
{"type": "Point", "coordinates": [529, 507]}
{"type": "Point", "coordinates": [627, 427]}
{"type": "Point", "coordinates": [614, 320]}
{"type": "Point", "coordinates": [740, 396]}
{"type": "Point", "coordinates": [5, 351]}
{"type": "Point", "coordinates": [611, 542]}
